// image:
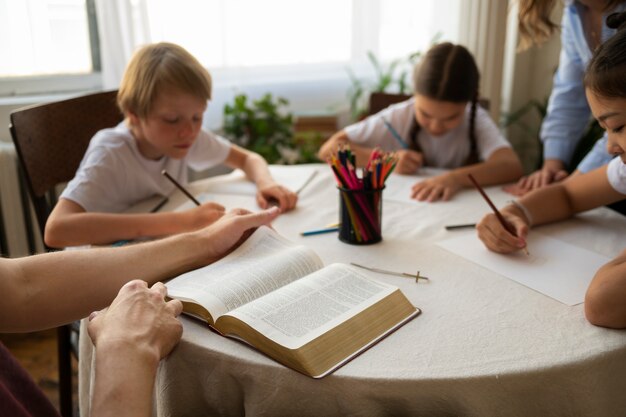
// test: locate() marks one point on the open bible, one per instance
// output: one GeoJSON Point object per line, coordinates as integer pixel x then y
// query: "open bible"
{"type": "Point", "coordinates": [279, 298]}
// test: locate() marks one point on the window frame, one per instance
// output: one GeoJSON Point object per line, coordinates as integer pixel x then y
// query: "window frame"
{"type": "Point", "coordinates": [62, 82]}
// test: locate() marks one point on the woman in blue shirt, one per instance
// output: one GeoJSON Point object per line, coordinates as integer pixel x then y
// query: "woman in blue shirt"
{"type": "Point", "coordinates": [583, 29]}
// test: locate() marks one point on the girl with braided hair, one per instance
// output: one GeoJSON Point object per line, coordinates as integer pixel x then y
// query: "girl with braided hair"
{"type": "Point", "coordinates": [441, 126]}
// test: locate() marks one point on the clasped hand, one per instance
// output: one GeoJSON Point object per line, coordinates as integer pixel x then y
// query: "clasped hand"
{"type": "Point", "coordinates": [138, 322]}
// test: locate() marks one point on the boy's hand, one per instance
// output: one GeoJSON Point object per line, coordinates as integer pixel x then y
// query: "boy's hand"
{"type": "Point", "coordinates": [408, 161]}
{"type": "Point", "coordinates": [441, 187]}
{"type": "Point", "coordinates": [276, 194]}
{"type": "Point", "coordinates": [204, 215]}
{"type": "Point", "coordinates": [497, 238]}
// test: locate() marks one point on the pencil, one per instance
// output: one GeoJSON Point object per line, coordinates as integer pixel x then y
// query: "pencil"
{"type": "Point", "coordinates": [320, 231]}
{"type": "Point", "coordinates": [307, 182]}
{"type": "Point", "coordinates": [507, 226]}
{"type": "Point", "coordinates": [460, 226]}
{"type": "Point", "coordinates": [180, 187]}
{"type": "Point", "coordinates": [395, 134]}
{"type": "Point", "coordinates": [160, 205]}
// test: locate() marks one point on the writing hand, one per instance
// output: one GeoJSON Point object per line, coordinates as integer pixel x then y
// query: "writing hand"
{"type": "Point", "coordinates": [409, 161]}
{"type": "Point", "coordinates": [497, 238]}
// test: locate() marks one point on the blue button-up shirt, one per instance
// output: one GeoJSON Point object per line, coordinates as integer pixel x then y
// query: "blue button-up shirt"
{"type": "Point", "coordinates": [568, 110]}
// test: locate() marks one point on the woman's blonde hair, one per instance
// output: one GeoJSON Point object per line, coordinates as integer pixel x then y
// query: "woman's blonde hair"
{"type": "Point", "coordinates": [157, 67]}
{"type": "Point", "coordinates": [534, 23]}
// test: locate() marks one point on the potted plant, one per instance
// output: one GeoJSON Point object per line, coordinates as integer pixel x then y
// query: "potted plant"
{"type": "Point", "coordinates": [267, 128]}
{"type": "Point", "coordinates": [518, 118]}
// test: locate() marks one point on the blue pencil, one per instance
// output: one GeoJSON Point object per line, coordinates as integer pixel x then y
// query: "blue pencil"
{"type": "Point", "coordinates": [319, 231]}
{"type": "Point", "coordinates": [395, 134]}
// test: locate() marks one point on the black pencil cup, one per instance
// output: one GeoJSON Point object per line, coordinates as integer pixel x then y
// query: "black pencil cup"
{"type": "Point", "coordinates": [360, 216]}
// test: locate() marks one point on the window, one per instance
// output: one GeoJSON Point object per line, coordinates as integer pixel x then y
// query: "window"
{"type": "Point", "coordinates": [52, 45]}
{"type": "Point", "coordinates": [300, 50]}
{"type": "Point", "coordinates": [244, 33]}
{"type": "Point", "coordinates": [46, 45]}
{"type": "Point", "coordinates": [307, 36]}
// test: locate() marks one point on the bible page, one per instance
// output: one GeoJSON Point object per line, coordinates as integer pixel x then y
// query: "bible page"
{"type": "Point", "coordinates": [263, 263]}
{"type": "Point", "coordinates": [303, 310]}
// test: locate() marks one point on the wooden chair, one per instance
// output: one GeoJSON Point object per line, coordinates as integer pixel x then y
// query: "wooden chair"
{"type": "Point", "coordinates": [380, 101]}
{"type": "Point", "coordinates": [50, 141]}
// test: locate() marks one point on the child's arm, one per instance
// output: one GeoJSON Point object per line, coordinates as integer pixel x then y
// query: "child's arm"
{"type": "Point", "coordinates": [409, 161]}
{"type": "Point", "coordinates": [70, 225]}
{"type": "Point", "coordinates": [502, 166]}
{"type": "Point", "coordinates": [545, 205]}
{"type": "Point", "coordinates": [605, 301]}
{"type": "Point", "coordinates": [255, 168]}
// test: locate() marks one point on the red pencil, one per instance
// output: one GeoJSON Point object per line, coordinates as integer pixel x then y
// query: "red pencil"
{"type": "Point", "coordinates": [507, 226]}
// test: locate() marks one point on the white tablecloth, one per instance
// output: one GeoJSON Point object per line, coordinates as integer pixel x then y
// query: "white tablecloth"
{"type": "Point", "coordinates": [483, 346]}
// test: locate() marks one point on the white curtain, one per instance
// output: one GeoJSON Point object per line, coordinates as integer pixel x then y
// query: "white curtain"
{"type": "Point", "coordinates": [121, 27]}
{"type": "Point", "coordinates": [483, 31]}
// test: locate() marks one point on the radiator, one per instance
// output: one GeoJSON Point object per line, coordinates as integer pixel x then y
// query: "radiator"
{"type": "Point", "coordinates": [15, 239]}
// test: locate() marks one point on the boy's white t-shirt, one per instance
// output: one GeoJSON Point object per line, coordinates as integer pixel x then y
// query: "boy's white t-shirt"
{"type": "Point", "coordinates": [616, 173]}
{"type": "Point", "coordinates": [113, 175]}
{"type": "Point", "coordinates": [450, 150]}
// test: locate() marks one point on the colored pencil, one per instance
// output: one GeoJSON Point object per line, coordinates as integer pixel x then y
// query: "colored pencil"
{"type": "Point", "coordinates": [395, 134]}
{"type": "Point", "coordinates": [320, 231]}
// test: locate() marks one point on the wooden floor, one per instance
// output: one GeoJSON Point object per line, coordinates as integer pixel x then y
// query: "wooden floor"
{"type": "Point", "coordinates": [37, 353]}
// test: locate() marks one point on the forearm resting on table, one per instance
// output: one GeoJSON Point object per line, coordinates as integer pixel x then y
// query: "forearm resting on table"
{"type": "Point", "coordinates": [605, 301]}
{"type": "Point", "coordinates": [86, 228]}
{"type": "Point", "coordinates": [562, 200]}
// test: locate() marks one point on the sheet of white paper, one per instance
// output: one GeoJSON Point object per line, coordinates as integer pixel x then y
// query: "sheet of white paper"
{"type": "Point", "coordinates": [554, 267]}
{"type": "Point", "coordinates": [292, 177]}
{"type": "Point", "coordinates": [398, 187]}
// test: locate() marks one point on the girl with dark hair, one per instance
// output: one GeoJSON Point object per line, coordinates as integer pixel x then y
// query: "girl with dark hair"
{"type": "Point", "coordinates": [605, 84]}
{"type": "Point", "coordinates": [441, 126]}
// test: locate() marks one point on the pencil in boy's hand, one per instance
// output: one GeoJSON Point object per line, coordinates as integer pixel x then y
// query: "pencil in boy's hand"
{"type": "Point", "coordinates": [507, 226]}
{"type": "Point", "coordinates": [180, 187]}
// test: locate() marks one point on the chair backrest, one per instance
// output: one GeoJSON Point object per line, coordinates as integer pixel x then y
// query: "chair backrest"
{"type": "Point", "coordinates": [51, 140]}
{"type": "Point", "coordinates": [380, 101]}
